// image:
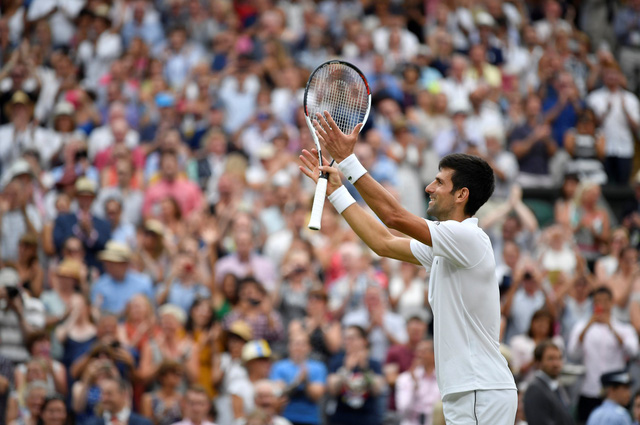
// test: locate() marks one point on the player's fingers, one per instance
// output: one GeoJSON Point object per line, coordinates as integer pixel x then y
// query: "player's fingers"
{"type": "Point", "coordinates": [323, 122]}
{"type": "Point", "coordinates": [356, 130]}
{"type": "Point", "coordinates": [320, 131]}
{"type": "Point", "coordinates": [328, 169]}
{"type": "Point", "coordinates": [307, 163]}
{"type": "Point", "coordinates": [330, 120]}
{"type": "Point", "coordinates": [307, 173]}
{"type": "Point", "coordinates": [310, 157]}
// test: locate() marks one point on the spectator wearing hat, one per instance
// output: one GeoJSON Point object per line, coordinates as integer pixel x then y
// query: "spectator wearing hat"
{"type": "Point", "coordinates": [602, 344]}
{"type": "Point", "coordinates": [172, 184]}
{"type": "Point", "coordinates": [160, 118]}
{"type": "Point", "coordinates": [545, 400]}
{"type": "Point", "coordinates": [302, 380]}
{"type": "Point", "coordinates": [613, 411]}
{"type": "Point", "coordinates": [22, 133]}
{"type": "Point", "coordinates": [256, 357]}
{"type": "Point", "coordinates": [94, 232]}
{"type": "Point", "coordinates": [20, 314]}
{"type": "Point", "coordinates": [113, 290]}
{"type": "Point", "coordinates": [229, 368]}
{"type": "Point", "coordinates": [64, 123]}
{"type": "Point", "coordinates": [618, 113]}
{"type": "Point", "coordinates": [533, 144]}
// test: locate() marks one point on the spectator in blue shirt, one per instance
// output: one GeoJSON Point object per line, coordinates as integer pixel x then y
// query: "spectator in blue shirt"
{"type": "Point", "coordinates": [113, 290]}
{"type": "Point", "coordinates": [612, 411]}
{"type": "Point", "coordinates": [562, 105]}
{"type": "Point", "coordinates": [303, 381]}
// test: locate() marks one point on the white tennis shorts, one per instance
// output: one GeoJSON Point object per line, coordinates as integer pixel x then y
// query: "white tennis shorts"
{"type": "Point", "coordinates": [481, 407]}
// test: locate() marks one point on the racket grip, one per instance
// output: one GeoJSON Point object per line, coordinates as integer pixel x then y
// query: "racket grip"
{"type": "Point", "coordinates": [318, 204]}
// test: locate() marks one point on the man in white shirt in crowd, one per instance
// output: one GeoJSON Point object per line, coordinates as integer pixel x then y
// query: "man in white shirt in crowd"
{"type": "Point", "coordinates": [463, 289]}
{"type": "Point", "coordinates": [603, 344]}
{"type": "Point", "coordinates": [618, 112]}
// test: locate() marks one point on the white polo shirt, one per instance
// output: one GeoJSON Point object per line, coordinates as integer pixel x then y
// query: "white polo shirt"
{"type": "Point", "coordinates": [464, 297]}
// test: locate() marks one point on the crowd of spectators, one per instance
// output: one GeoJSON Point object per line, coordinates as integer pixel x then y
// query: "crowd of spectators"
{"type": "Point", "coordinates": [155, 265]}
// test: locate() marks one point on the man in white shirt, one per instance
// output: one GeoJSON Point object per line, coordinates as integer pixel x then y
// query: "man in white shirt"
{"type": "Point", "coordinates": [602, 344]}
{"type": "Point", "coordinates": [473, 376]}
{"type": "Point", "coordinates": [618, 111]}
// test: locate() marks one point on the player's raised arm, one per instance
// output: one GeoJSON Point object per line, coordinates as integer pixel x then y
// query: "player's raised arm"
{"type": "Point", "coordinates": [368, 228]}
{"type": "Point", "coordinates": [383, 203]}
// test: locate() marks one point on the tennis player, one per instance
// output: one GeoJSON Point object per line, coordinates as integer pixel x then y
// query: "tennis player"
{"type": "Point", "coordinates": [474, 380]}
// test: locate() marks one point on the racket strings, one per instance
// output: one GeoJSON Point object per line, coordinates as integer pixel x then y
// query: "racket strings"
{"type": "Point", "coordinates": [340, 90]}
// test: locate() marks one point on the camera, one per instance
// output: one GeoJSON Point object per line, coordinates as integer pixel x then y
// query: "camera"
{"type": "Point", "coordinates": [528, 275]}
{"type": "Point", "coordinates": [12, 292]}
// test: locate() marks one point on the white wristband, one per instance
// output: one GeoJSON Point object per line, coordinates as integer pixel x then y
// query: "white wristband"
{"type": "Point", "coordinates": [352, 169]}
{"type": "Point", "coordinates": [341, 199]}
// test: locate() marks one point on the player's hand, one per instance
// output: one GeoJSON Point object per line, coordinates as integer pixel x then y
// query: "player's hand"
{"type": "Point", "coordinates": [311, 170]}
{"type": "Point", "coordinates": [338, 144]}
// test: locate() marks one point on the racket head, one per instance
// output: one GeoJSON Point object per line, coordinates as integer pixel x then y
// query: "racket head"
{"type": "Point", "coordinates": [340, 88]}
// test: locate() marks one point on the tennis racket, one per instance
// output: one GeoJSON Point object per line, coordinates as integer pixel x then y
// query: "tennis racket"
{"type": "Point", "coordinates": [341, 89]}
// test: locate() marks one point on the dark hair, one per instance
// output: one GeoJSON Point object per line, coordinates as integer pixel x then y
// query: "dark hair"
{"type": "Point", "coordinates": [538, 353]}
{"type": "Point", "coordinates": [603, 290]}
{"type": "Point", "coordinates": [542, 313]}
{"type": "Point", "coordinates": [473, 173]}
{"type": "Point", "coordinates": [190, 326]}
{"type": "Point", "coordinates": [167, 367]}
{"type": "Point", "coordinates": [32, 338]}
{"type": "Point", "coordinates": [49, 399]}
{"type": "Point", "coordinates": [248, 281]}
{"type": "Point", "coordinates": [361, 331]}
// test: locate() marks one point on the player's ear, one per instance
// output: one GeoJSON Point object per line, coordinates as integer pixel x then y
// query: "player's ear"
{"type": "Point", "coordinates": [462, 194]}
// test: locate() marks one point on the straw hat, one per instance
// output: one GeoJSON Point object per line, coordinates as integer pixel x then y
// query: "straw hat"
{"type": "Point", "coordinates": [85, 186]}
{"type": "Point", "coordinates": [241, 329]}
{"type": "Point", "coordinates": [116, 252]}
{"type": "Point", "coordinates": [70, 268]}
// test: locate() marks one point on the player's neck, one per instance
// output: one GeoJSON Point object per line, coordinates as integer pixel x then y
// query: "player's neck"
{"type": "Point", "coordinates": [457, 215]}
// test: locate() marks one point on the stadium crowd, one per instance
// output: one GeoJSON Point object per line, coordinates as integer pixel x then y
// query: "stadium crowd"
{"type": "Point", "coordinates": [155, 261]}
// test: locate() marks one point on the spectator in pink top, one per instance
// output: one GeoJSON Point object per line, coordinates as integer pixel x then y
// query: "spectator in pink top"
{"type": "Point", "coordinates": [186, 192]}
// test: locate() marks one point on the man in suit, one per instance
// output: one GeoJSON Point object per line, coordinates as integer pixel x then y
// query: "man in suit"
{"type": "Point", "coordinates": [545, 402]}
{"type": "Point", "coordinates": [94, 232]}
{"type": "Point", "coordinates": [115, 397]}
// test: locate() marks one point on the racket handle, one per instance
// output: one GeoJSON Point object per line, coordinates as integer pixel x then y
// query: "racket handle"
{"type": "Point", "coordinates": [318, 204]}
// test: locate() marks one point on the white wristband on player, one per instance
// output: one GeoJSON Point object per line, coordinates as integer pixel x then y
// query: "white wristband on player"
{"type": "Point", "coordinates": [352, 169]}
{"type": "Point", "coordinates": [341, 199]}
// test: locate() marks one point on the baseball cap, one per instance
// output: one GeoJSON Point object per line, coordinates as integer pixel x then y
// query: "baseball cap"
{"type": "Point", "coordinates": [63, 108]}
{"type": "Point", "coordinates": [164, 100]}
{"type": "Point", "coordinates": [620, 377]}
{"type": "Point", "coordinates": [173, 310]}
{"type": "Point", "coordinates": [256, 349]}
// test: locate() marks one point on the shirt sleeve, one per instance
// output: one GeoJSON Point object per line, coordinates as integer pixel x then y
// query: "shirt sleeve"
{"type": "Point", "coordinates": [423, 253]}
{"type": "Point", "coordinates": [456, 242]}
{"type": "Point", "coordinates": [318, 374]}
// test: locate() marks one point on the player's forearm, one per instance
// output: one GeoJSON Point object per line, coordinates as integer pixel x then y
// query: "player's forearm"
{"type": "Point", "coordinates": [383, 203]}
{"type": "Point", "coordinates": [370, 230]}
